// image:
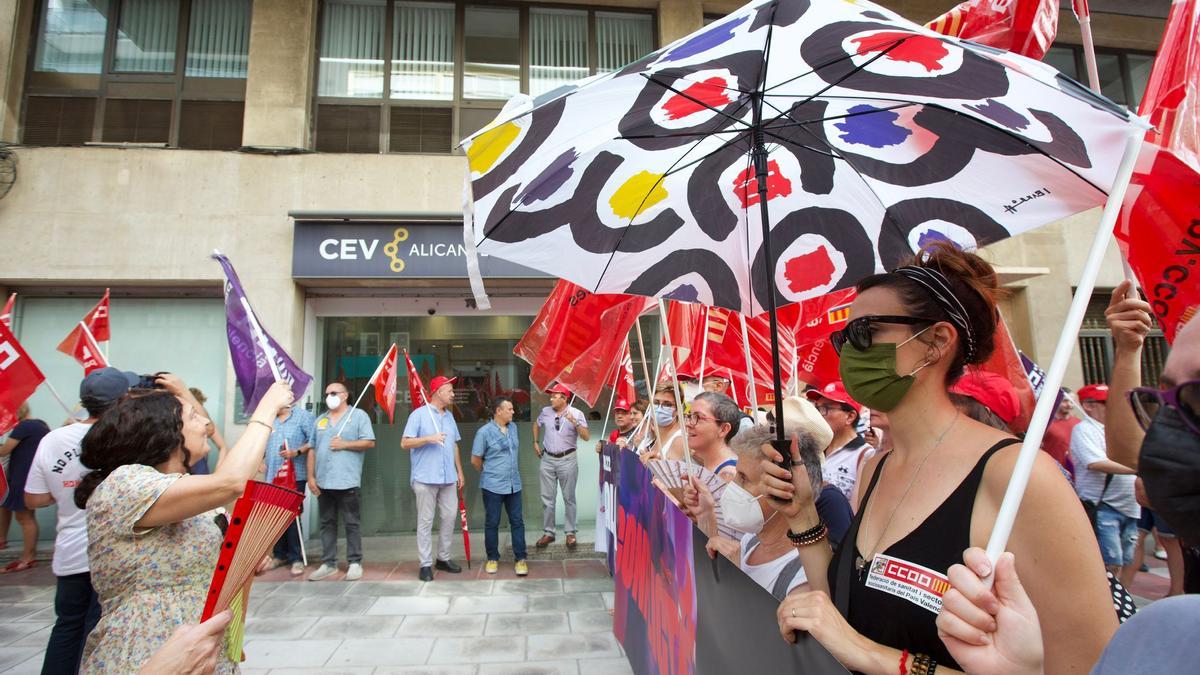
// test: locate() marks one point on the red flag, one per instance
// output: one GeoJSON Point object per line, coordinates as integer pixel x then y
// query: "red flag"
{"type": "Point", "coordinates": [1025, 27]}
{"type": "Point", "coordinates": [286, 476]}
{"type": "Point", "coordinates": [685, 322]}
{"type": "Point", "coordinates": [1081, 9]}
{"type": "Point", "coordinates": [726, 353]}
{"type": "Point", "coordinates": [577, 337]}
{"type": "Point", "coordinates": [84, 349]}
{"type": "Point", "coordinates": [19, 377]}
{"type": "Point", "coordinates": [6, 315]}
{"type": "Point", "coordinates": [1159, 227]}
{"type": "Point", "coordinates": [385, 385]}
{"type": "Point", "coordinates": [818, 364]}
{"type": "Point", "coordinates": [96, 321]}
{"type": "Point", "coordinates": [1006, 362]}
{"type": "Point", "coordinates": [416, 389]}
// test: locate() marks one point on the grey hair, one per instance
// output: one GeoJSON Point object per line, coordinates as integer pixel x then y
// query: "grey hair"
{"type": "Point", "coordinates": [749, 443]}
{"type": "Point", "coordinates": [724, 409]}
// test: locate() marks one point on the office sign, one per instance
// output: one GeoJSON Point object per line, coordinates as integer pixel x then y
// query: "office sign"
{"type": "Point", "coordinates": [389, 250]}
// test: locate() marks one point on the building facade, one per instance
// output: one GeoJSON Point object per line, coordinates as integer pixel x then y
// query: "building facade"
{"type": "Point", "coordinates": [313, 142]}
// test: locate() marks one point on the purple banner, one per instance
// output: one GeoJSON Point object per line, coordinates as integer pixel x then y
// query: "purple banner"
{"type": "Point", "coordinates": [1037, 379]}
{"type": "Point", "coordinates": [251, 348]}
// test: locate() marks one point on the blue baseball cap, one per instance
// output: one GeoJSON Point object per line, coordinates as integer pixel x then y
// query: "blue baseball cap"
{"type": "Point", "coordinates": [103, 386]}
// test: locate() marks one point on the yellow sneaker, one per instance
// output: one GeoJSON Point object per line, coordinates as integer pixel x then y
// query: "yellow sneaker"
{"type": "Point", "coordinates": [522, 568]}
{"type": "Point", "coordinates": [492, 566]}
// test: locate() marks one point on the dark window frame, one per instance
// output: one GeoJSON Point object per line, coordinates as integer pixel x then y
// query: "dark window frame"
{"type": "Point", "coordinates": [1123, 63]}
{"type": "Point", "coordinates": [457, 103]}
{"type": "Point", "coordinates": [110, 84]}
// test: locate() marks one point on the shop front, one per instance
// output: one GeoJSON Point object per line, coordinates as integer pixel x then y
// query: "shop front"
{"type": "Point", "coordinates": [369, 284]}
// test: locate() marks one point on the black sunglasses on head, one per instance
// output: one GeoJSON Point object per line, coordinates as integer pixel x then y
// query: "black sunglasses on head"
{"type": "Point", "coordinates": [858, 331]}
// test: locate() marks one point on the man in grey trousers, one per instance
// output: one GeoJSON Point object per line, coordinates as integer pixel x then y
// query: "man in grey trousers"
{"type": "Point", "coordinates": [559, 427]}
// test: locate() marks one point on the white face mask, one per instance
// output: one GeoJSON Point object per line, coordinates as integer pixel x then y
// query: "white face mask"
{"type": "Point", "coordinates": [332, 401]}
{"type": "Point", "coordinates": [740, 509]}
{"type": "Point", "coordinates": [664, 415]}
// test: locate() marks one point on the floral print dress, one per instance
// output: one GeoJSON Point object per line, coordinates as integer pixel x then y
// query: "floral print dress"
{"type": "Point", "coordinates": [150, 581]}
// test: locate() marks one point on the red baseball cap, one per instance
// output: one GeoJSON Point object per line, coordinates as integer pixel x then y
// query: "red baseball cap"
{"type": "Point", "coordinates": [440, 380]}
{"type": "Point", "coordinates": [834, 391]}
{"type": "Point", "coordinates": [621, 404]}
{"type": "Point", "coordinates": [994, 391]}
{"type": "Point", "coordinates": [559, 389]}
{"type": "Point", "coordinates": [1093, 392]}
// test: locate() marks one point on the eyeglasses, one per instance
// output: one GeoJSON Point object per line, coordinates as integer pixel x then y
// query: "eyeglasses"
{"type": "Point", "coordinates": [695, 417]}
{"type": "Point", "coordinates": [1184, 399]}
{"type": "Point", "coordinates": [826, 409]}
{"type": "Point", "coordinates": [858, 331]}
{"type": "Point", "coordinates": [665, 404]}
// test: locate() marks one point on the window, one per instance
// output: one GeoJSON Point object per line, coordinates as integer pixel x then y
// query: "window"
{"type": "Point", "coordinates": [1123, 74]}
{"type": "Point", "coordinates": [169, 72]}
{"type": "Point", "coordinates": [450, 66]}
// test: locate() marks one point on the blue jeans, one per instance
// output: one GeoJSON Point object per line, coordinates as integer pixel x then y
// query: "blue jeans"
{"type": "Point", "coordinates": [76, 609]}
{"type": "Point", "coordinates": [288, 546]}
{"type": "Point", "coordinates": [1117, 534]}
{"type": "Point", "coordinates": [491, 523]}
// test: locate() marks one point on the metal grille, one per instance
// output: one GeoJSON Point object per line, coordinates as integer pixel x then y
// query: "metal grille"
{"type": "Point", "coordinates": [211, 125]}
{"type": "Point", "coordinates": [347, 128]}
{"type": "Point", "coordinates": [420, 129]}
{"type": "Point", "coordinates": [58, 120]}
{"type": "Point", "coordinates": [137, 121]}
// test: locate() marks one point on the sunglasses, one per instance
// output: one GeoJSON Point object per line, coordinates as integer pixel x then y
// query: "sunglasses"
{"type": "Point", "coordinates": [858, 331]}
{"type": "Point", "coordinates": [1184, 399]}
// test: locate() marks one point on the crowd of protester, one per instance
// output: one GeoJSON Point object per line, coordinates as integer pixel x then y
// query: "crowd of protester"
{"type": "Point", "coordinates": [903, 461]}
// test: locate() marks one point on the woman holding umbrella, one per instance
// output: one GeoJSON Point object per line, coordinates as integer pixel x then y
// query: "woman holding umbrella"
{"type": "Point", "coordinates": [910, 334]}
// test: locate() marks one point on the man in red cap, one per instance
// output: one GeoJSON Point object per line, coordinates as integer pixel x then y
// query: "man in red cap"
{"type": "Point", "coordinates": [559, 428]}
{"type": "Point", "coordinates": [847, 449]}
{"type": "Point", "coordinates": [432, 436]}
{"type": "Point", "coordinates": [1105, 483]}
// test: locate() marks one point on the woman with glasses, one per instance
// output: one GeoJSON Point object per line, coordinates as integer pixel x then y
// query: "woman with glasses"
{"type": "Point", "coordinates": [711, 425]}
{"type": "Point", "coordinates": [154, 530]}
{"type": "Point", "coordinates": [910, 335]}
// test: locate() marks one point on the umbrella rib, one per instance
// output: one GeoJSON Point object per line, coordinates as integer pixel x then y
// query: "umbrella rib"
{"type": "Point", "coordinates": [837, 60]}
{"type": "Point", "coordinates": [798, 123]}
{"type": "Point", "coordinates": [681, 134]}
{"type": "Point", "coordinates": [695, 100]}
{"type": "Point", "coordinates": [845, 77]}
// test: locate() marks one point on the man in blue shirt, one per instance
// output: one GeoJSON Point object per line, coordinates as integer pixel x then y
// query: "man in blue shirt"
{"type": "Point", "coordinates": [290, 440]}
{"type": "Point", "coordinates": [340, 437]}
{"type": "Point", "coordinates": [561, 427]}
{"type": "Point", "coordinates": [494, 456]}
{"type": "Point", "coordinates": [432, 436]}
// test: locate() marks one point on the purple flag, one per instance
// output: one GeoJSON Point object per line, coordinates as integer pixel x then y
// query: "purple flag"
{"type": "Point", "coordinates": [1037, 378]}
{"type": "Point", "coordinates": [257, 359]}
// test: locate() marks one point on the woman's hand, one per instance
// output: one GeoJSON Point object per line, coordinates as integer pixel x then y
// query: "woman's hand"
{"type": "Point", "coordinates": [698, 502]}
{"type": "Point", "coordinates": [278, 397]}
{"type": "Point", "coordinates": [791, 490]}
{"type": "Point", "coordinates": [990, 630]}
{"type": "Point", "coordinates": [726, 547]}
{"type": "Point", "coordinates": [814, 613]}
{"type": "Point", "coordinates": [1128, 318]}
{"type": "Point", "coordinates": [172, 384]}
{"type": "Point", "coordinates": [190, 649]}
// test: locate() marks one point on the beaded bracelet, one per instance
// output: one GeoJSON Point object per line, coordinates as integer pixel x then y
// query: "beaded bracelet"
{"type": "Point", "coordinates": [923, 664]}
{"type": "Point", "coordinates": [810, 536]}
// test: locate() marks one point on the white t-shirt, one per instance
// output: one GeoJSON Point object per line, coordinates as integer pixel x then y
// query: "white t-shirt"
{"type": "Point", "coordinates": [56, 471]}
{"type": "Point", "coordinates": [765, 575]}
{"type": "Point", "coordinates": [841, 468]}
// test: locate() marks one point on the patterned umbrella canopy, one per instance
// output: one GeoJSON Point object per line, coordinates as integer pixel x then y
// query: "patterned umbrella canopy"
{"type": "Point", "coordinates": [876, 135]}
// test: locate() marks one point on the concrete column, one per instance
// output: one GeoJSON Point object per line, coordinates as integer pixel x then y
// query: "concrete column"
{"type": "Point", "coordinates": [16, 32]}
{"type": "Point", "coordinates": [677, 18]}
{"type": "Point", "coordinates": [280, 75]}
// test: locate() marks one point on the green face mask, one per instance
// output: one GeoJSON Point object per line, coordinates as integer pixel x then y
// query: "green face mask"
{"type": "Point", "coordinates": [870, 375]}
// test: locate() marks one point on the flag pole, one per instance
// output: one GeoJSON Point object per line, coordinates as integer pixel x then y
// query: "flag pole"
{"type": "Point", "coordinates": [662, 312]}
{"type": "Point", "coordinates": [646, 374]}
{"type": "Point", "coordinates": [1062, 352]}
{"type": "Point", "coordinates": [703, 347]}
{"type": "Point", "coordinates": [54, 393]}
{"type": "Point", "coordinates": [109, 310]}
{"type": "Point", "coordinates": [91, 337]}
{"type": "Point", "coordinates": [611, 399]}
{"type": "Point", "coordinates": [262, 340]}
{"type": "Point", "coordinates": [299, 527]}
{"type": "Point", "coordinates": [753, 393]}
{"type": "Point", "coordinates": [378, 369]}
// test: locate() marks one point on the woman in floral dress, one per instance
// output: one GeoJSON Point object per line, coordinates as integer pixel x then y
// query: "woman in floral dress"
{"type": "Point", "coordinates": [153, 536]}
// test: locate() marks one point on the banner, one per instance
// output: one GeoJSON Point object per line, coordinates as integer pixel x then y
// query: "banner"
{"type": "Point", "coordinates": [416, 388]}
{"type": "Point", "coordinates": [606, 505]}
{"type": "Point", "coordinates": [385, 385]}
{"type": "Point", "coordinates": [19, 377]}
{"type": "Point", "coordinates": [252, 349]}
{"type": "Point", "coordinates": [654, 617]}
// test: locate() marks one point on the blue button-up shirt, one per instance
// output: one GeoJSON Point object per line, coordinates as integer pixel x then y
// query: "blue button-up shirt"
{"type": "Point", "coordinates": [298, 430]}
{"type": "Point", "coordinates": [341, 470]}
{"type": "Point", "coordinates": [498, 449]}
{"type": "Point", "coordinates": [433, 463]}
{"type": "Point", "coordinates": [566, 436]}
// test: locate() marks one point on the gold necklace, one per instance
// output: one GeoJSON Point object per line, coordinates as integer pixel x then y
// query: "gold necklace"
{"type": "Point", "coordinates": [860, 562]}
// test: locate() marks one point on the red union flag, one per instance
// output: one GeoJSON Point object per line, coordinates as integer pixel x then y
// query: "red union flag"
{"type": "Point", "coordinates": [81, 346]}
{"type": "Point", "coordinates": [6, 315]}
{"type": "Point", "coordinates": [285, 477]}
{"type": "Point", "coordinates": [96, 322]}
{"type": "Point", "coordinates": [416, 389]}
{"type": "Point", "coordinates": [1159, 227]}
{"type": "Point", "coordinates": [1025, 27]}
{"type": "Point", "coordinates": [19, 377]}
{"type": "Point", "coordinates": [817, 363]}
{"type": "Point", "coordinates": [385, 384]}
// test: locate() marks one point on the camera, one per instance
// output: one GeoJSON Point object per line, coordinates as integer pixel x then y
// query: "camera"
{"type": "Point", "coordinates": [431, 311]}
{"type": "Point", "coordinates": [148, 381]}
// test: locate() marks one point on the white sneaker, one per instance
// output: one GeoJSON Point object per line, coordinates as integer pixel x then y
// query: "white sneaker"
{"type": "Point", "coordinates": [322, 572]}
{"type": "Point", "coordinates": [354, 572]}
{"type": "Point", "coordinates": [297, 569]}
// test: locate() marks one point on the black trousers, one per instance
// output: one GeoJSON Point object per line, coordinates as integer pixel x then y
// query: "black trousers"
{"type": "Point", "coordinates": [76, 609]}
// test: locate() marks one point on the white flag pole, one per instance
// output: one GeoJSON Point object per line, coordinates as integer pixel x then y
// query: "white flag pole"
{"type": "Point", "coordinates": [92, 338]}
{"type": "Point", "coordinates": [262, 339]}
{"type": "Point", "coordinates": [54, 393]}
{"type": "Point", "coordinates": [378, 369]}
{"type": "Point", "coordinates": [611, 399]}
{"type": "Point", "coordinates": [753, 393]}
{"type": "Point", "coordinates": [646, 374]}
{"type": "Point", "coordinates": [687, 451]}
{"type": "Point", "coordinates": [703, 347]}
{"type": "Point", "coordinates": [1062, 352]}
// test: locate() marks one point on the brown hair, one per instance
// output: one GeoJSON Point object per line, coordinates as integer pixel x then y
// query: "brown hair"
{"type": "Point", "coordinates": [974, 283]}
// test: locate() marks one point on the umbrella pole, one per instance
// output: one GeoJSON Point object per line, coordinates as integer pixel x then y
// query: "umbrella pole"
{"type": "Point", "coordinates": [687, 451]}
{"type": "Point", "coordinates": [752, 390]}
{"type": "Point", "coordinates": [759, 155]}
{"type": "Point", "coordinates": [1062, 352]}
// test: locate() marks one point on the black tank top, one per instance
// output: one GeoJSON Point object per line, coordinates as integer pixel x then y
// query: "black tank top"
{"type": "Point", "coordinates": [936, 544]}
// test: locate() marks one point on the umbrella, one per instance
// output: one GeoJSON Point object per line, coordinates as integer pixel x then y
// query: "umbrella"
{"type": "Point", "coordinates": [462, 516]}
{"type": "Point", "coordinates": [784, 152]}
